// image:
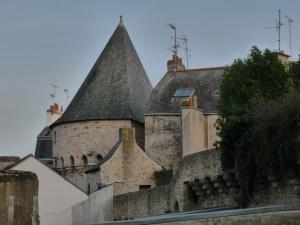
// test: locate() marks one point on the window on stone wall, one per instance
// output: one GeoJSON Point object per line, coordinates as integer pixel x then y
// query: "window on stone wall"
{"type": "Point", "coordinates": [72, 161]}
{"type": "Point", "coordinates": [84, 160]}
{"type": "Point", "coordinates": [55, 162]}
{"type": "Point", "coordinates": [143, 187]}
{"type": "Point", "coordinates": [62, 162]}
{"type": "Point", "coordinates": [54, 138]}
{"type": "Point", "coordinates": [99, 158]}
{"type": "Point", "coordinates": [176, 207]}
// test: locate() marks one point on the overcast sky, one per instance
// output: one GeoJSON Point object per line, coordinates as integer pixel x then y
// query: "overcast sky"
{"type": "Point", "coordinates": [57, 42]}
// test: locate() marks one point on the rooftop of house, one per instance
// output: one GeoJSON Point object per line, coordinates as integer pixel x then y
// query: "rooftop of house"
{"type": "Point", "coordinates": [204, 81]}
{"type": "Point", "coordinates": [117, 87]}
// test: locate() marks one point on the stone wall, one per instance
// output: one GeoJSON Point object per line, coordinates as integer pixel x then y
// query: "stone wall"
{"type": "Point", "coordinates": [90, 139]}
{"type": "Point", "coordinates": [6, 161]}
{"type": "Point", "coordinates": [143, 203]}
{"type": "Point", "coordinates": [129, 166]}
{"type": "Point", "coordinates": [18, 198]}
{"type": "Point", "coordinates": [175, 196]}
{"type": "Point", "coordinates": [163, 140]}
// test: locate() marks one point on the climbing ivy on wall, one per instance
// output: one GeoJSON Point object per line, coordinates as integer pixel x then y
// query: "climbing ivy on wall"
{"type": "Point", "coordinates": [259, 123]}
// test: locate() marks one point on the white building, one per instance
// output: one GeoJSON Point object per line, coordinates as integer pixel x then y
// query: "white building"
{"type": "Point", "coordinates": [56, 195]}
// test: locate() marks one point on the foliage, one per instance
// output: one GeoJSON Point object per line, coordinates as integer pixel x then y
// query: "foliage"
{"type": "Point", "coordinates": [294, 70]}
{"type": "Point", "coordinates": [252, 140]}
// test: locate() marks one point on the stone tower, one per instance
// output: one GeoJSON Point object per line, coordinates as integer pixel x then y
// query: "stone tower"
{"type": "Point", "coordinates": [113, 96]}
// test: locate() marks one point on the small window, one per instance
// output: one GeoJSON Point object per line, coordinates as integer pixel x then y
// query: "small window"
{"type": "Point", "coordinates": [216, 93]}
{"type": "Point", "coordinates": [62, 162]}
{"type": "Point", "coordinates": [184, 92]}
{"type": "Point", "coordinates": [143, 187]}
{"type": "Point", "coordinates": [176, 207]}
{"type": "Point", "coordinates": [72, 161]}
{"type": "Point", "coordinates": [99, 158]}
{"type": "Point", "coordinates": [84, 161]}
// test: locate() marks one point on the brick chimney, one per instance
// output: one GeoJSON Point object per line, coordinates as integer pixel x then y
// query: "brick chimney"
{"type": "Point", "coordinates": [54, 113]}
{"type": "Point", "coordinates": [283, 57]}
{"type": "Point", "coordinates": [175, 64]}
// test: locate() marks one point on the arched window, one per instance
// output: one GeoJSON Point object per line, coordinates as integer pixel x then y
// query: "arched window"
{"type": "Point", "coordinates": [72, 161]}
{"type": "Point", "coordinates": [99, 158]}
{"type": "Point", "coordinates": [84, 160]}
{"type": "Point", "coordinates": [62, 162]}
{"type": "Point", "coordinates": [176, 207]}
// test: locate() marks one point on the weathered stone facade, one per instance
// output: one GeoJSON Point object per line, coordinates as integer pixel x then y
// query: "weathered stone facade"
{"type": "Point", "coordinates": [6, 161]}
{"type": "Point", "coordinates": [18, 198]}
{"type": "Point", "coordinates": [129, 167]}
{"type": "Point", "coordinates": [201, 183]}
{"type": "Point", "coordinates": [86, 142]}
{"type": "Point", "coordinates": [163, 139]}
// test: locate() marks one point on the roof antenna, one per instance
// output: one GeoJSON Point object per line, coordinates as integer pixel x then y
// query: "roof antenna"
{"type": "Point", "coordinates": [290, 32]}
{"type": "Point", "coordinates": [67, 94]}
{"type": "Point", "coordinates": [53, 94]}
{"type": "Point", "coordinates": [187, 51]}
{"type": "Point", "coordinates": [174, 47]}
{"type": "Point", "coordinates": [278, 28]}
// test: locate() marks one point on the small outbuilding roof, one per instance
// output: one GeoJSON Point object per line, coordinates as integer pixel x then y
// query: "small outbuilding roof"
{"type": "Point", "coordinates": [117, 87]}
{"type": "Point", "coordinates": [205, 82]}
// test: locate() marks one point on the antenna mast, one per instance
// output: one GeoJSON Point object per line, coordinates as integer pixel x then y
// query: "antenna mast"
{"type": "Point", "coordinates": [67, 94]}
{"type": "Point", "coordinates": [290, 32]}
{"type": "Point", "coordinates": [174, 48]}
{"type": "Point", "coordinates": [278, 28]}
{"type": "Point", "coordinates": [53, 94]}
{"type": "Point", "coordinates": [187, 51]}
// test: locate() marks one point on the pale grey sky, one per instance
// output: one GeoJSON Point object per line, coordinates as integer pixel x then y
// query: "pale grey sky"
{"type": "Point", "coordinates": [57, 41]}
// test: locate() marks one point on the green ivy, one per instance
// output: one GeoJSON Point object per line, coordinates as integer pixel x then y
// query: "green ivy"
{"type": "Point", "coordinates": [258, 125]}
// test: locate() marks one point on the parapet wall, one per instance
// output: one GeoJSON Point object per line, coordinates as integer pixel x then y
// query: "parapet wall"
{"type": "Point", "coordinates": [142, 203]}
{"type": "Point", "coordinates": [201, 183]}
{"type": "Point", "coordinates": [18, 198]}
{"type": "Point", "coordinates": [172, 197]}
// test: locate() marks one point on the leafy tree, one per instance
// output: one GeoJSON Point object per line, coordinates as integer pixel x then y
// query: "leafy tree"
{"type": "Point", "coordinates": [294, 69]}
{"type": "Point", "coordinates": [248, 85]}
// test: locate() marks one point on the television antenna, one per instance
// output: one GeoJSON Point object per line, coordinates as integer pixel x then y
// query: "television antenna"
{"type": "Point", "coordinates": [277, 26]}
{"type": "Point", "coordinates": [185, 48]}
{"type": "Point", "coordinates": [290, 32]}
{"type": "Point", "coordinates": [174, 48]}
{"type": "Point", "coordinates": [66, 91]}
{"type": "Point", "coordinates": [53, 93]}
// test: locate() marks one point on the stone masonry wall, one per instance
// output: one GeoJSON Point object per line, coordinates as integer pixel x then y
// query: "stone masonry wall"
{"type": "Point", "coordinates": [201, 183]}
{"type": "Point", "coordinates": [143, 203]}
{"type": "Point", "coordinates": [163, 140]}
{"type": "Point", "coordinates": [129, 166]}
{"type": "Point", "coordinates": [90, 138]}
{"type": "Point", "coordinates": [6, 161]}
{"type": "Point", "coordinates": [18, 198]}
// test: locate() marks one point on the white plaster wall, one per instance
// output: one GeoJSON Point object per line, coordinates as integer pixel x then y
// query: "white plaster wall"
{"type": "Point", "coordinates": [97, 208]}
{"type": "Point", "coordinates": [193, 131]}
{"type": "Point", "coordinates": [55, 193]}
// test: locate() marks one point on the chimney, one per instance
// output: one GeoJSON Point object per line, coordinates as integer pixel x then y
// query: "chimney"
{"type": "Point", "coordinates": [54, 113]}
{"type": "Point", "coordinates": [175, 64]}
{"type": "Point", "coordinates": [284, 58]}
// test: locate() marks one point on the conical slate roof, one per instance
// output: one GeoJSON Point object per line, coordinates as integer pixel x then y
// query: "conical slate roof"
{"type": "Point", "coordinates": [117, 86]}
